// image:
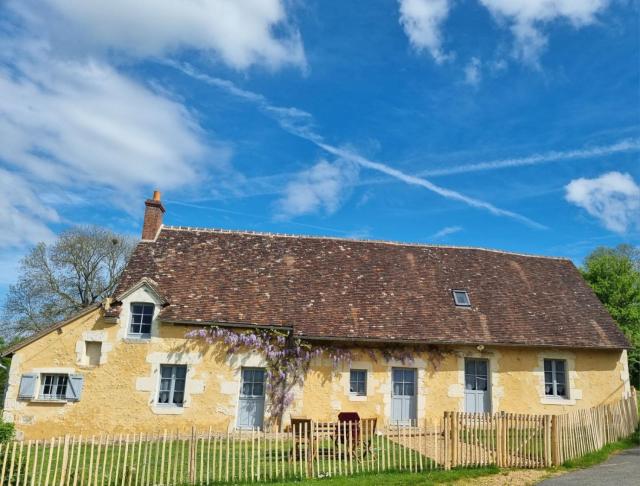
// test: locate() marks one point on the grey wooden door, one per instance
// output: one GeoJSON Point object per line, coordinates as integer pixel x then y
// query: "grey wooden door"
{"type": "Point", "coordinates": [251, 405]}
{"type": "Point", "coordinates": [403, 396]}
{"type": "Point", "coordinates": [477, 393]}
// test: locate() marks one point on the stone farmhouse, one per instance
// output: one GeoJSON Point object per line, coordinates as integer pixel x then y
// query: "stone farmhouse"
{"type": "Point", "coordinates": [487, 331]}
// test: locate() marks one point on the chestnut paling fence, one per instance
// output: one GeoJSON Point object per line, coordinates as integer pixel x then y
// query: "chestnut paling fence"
{"type": "Point", "coordinates": [315, 449]}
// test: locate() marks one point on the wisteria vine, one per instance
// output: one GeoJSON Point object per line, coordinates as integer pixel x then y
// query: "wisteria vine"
{"type": "Point", "coordinates": [288, 358]}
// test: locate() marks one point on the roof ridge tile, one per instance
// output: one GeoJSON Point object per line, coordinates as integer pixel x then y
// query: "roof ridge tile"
{"type": "Point", "coordinates": [224, 231]}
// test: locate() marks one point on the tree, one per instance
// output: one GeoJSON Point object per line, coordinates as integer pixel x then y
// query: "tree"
{"type": "Point", "coordinates": [80, 268]}
{"type": "Point", "coordinates": [614, 276]}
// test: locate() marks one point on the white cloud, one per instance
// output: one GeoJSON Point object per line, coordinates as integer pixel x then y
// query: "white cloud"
{"type": "Point", "coordinates": [23, 216]}
{"type": "Point", "coordinates": [240, 32]}
{"type": "Point", "coordinates": [446, 231]}
{"type": "Point", "coordinates": [422, 22]}
{"type": "Point", "coordinates": [527, 17]}
{"type": "Point", "coordinates": [68, 124]}
{"type": "Point", "coordinates": [613, 198]}
{"type": "Point", "coordinates": [321, 188]}
{"type": "Point", "coordinates": [472, 72]}
{"type": "Point", "coordinates": [83, 123]}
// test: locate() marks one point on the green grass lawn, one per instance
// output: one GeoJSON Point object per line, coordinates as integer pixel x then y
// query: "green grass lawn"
{"type": "Point", "coordinates": [216, 460]}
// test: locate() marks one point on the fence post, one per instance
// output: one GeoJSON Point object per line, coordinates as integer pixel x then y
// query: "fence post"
{"type": "Point", "coordinates": [547, 442]}
{"type": "Point", "coordinates": [454, 438]}
{"type": "Point", "coordinates": [65, 460]}
{"type": "Point", "coordinates": [499, 426]}
{"type": "Point", "coordinates": [192, 456]}
{"type": "Point", "coordinates": [555, 442]}
{"type": "Point", "coordinates": [446, 435]}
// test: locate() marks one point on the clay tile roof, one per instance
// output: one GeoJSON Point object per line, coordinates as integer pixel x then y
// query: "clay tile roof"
{"type": "Point", "coordinates": [367, 290]}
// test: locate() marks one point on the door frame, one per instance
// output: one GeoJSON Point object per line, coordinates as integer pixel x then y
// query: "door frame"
{"type": "Point", "coordinates": [264, 395]}
{"type": "Point", "coordinates": [415, 396]}
{"type": "Point", "coordinates": [489, 384]}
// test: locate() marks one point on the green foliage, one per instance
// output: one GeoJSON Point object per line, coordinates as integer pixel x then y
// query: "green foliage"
{"type": "Point", "coordinates": [600, 455]}
{"type": "Point", "coordinates": [614, 276]}
{"type": "Point", "coordinates": [7, 432]}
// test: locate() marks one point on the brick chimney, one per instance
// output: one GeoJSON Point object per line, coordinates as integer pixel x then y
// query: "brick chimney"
{"type": "Point", "coordinates": [152, 217]}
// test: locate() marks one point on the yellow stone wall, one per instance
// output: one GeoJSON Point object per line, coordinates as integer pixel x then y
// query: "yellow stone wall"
{"type": "Point", "coordinates": [119, 394]}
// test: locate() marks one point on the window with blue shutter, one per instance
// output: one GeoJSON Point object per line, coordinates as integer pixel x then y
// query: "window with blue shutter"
{"type": "Point", "coordinates": [27, 390]}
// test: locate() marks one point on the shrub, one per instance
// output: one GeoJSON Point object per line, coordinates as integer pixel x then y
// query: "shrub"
{"type": "Point", "coordinates": [7, 431]}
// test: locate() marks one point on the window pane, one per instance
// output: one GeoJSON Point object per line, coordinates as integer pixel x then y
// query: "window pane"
{"type": "Point", "coordinates": [560, 365]}
{"type": "Point", "coordinates": [165, 384]}
{"type": "Point", "coordinates": [258, 389]}
{"type": "Point", "coordinates": [258, 375]}
{"type": "Point", "coordinates": [482, 368]}
{"type": "Point", "coordinates": [165, 371]}
{"type": "Point", "coordinates": [408, 389]}
{"type": "Point", "coordinates": [163, 397]}
{"type": "Point", "coordinates": [178, 398]}
{"type": "Point", "coordinates": [246, 389]}
{"type": "Point", "coordinates": [397, 388]}
{"type": "Point", "coordinates": [561, 389]}
{"type": "Point", "coordinates": [461, 297]}
{"type": "Point", "coordinates": [178, 385]}
{"type": "Point", "coordinates": [481, 384]}
{"type": "Point", "coordinates": [470, 366]}
{"type": "Point", "coordinates": [181, 372]}
{"type": "Point", "coordinates": [409, 376]}
{"type": "Point", "coordinates": [469, 382]}
{"type": "Point", "coordinates": [397, 375]}
{"type": "Point", "coordinates": [547, 365]}
{"type": "Point", "coordinates": [548, 377]}
{"type": "Point", "coordinates": [548, 389]}
{"type": "Point", "coordinates": [141, 317]}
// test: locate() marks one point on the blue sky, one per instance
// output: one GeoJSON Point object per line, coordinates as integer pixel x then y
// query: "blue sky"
{"type": "Point", "coordinates": [510, 124]}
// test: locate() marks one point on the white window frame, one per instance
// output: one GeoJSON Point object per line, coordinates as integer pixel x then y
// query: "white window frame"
{"type": "Point", "coordinates": [55, 378]}
{"type": "Point", "coordinates": [456, 292]}
{"type": "Point", "coordinates": [172, 385]}
{"type": "Point", "coordinates": [554, 381]}
{"type": "Point", "coordinates": [357, 393]}
{"type": "Point", "coordinates": [140, 335]}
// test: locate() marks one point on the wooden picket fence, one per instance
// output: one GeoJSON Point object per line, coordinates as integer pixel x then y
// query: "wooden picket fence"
{"type": "Point", "coordinates": [535, 441]}
{"type": "Point", "coordinates": [315, 449]}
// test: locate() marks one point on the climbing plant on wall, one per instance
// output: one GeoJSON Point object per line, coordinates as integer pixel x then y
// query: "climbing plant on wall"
{"type": "Point", "coordinates": [288, 358]}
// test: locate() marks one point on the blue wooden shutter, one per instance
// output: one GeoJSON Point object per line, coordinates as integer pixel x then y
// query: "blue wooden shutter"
{"type": "Point", "coordinates": [74, 387]}
{"type": "Point", "coordinates": [27, 390]}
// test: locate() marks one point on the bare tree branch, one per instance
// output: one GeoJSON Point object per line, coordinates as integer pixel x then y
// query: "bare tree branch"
{"type": "Point", "coordinates": [82, 267]}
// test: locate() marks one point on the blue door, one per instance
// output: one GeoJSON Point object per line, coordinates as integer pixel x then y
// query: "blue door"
{"type": "Point", "coordinates": [477, 396]}
{"type": "Point", "coordinates": [251, 405]}
{"type": "Point", "coordinates": [403, 396]}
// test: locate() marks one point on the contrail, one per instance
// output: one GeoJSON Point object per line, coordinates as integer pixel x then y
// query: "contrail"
{"type": "Point", "coordinates": [627, 145]}
{"type": "Point", "coordinates": [299, 123]}
{"type": "Point", "coordinates": [419, 181]}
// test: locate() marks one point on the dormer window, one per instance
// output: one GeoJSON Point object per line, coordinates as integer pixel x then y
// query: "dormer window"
{"type": "Point", "coordinates": [141, 317]}
{"type": "Point", "coordinates": [461, 298]}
